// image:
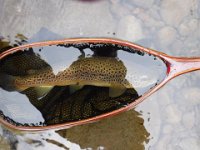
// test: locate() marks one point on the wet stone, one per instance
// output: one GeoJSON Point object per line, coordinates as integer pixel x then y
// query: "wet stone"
{"type": "Point", "coordinates": [173, 16]}
{"type": "Point", "coordinates": [188, 119]}
{"type": "Point", "coordinates": [166, 35]}
{"type": "Point", "coordinates": [130, 29]}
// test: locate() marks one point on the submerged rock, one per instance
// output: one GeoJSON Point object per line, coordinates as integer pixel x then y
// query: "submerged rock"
{"type": "Point", "coordinates": [190, 143]}
{"type": "Point", "coordinates": [189, 27]}
{"type": "Point", "coordinates": [173, 11]}
{"type": "Point", "coordinates": [173, 114]}
{"type": "Point", "coordinates": [130, 29]}
{"type": "Point", "coordinates": [188, 119]}
{"type": "Point", "coordinates": [143, 3]}
{"type": "Point", "coordinates": [166, 35]}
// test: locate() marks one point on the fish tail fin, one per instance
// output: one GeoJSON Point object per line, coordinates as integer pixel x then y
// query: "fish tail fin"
{"type": "Point", "coordinates": [7, 82]}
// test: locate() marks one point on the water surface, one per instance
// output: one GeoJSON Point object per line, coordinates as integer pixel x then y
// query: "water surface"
{"type": "Point", "coordinates": [70, 82]}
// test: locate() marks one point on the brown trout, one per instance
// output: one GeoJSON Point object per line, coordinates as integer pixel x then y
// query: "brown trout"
{"type": "Point", "coordinates": [96, 71]}
{"type": "Point", "coordinates": [87, 102]}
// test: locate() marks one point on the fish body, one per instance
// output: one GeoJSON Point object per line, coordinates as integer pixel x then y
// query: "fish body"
{"type": "Point", "coordinates": [97, 71]}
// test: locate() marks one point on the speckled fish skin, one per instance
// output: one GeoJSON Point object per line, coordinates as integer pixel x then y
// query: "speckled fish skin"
{"type": "Point", "coordinates": [97, 71]}
{"type": "Point", "coordinates": [21, 63]}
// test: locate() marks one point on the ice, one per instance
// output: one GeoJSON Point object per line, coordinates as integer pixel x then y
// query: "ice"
{"type": "Point", "coordinates": [188, 119]}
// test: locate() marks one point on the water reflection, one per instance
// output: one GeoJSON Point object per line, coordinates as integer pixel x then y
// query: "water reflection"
{"type": "Point", "coordinates": [60, 106]}
{"type": "Point", "coordinates": [125, 129]}
{"type": "Point", "coordinates": [91, 86]}
{"type": "Point", "coordinates": [128, 127]}
{"type": "Point", "coordinates": [71, 82]}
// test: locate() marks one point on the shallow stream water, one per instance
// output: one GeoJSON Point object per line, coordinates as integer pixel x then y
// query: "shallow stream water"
{"type": "Point", "coordinates": [169, 119]}
{"type": "Point", "coordinates": [70, 82]}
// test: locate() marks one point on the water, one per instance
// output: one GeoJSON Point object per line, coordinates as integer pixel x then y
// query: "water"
{"type": "Point", "coordinates": [167, 120]}
{"type": "Point", "coordinates": [71, 82]}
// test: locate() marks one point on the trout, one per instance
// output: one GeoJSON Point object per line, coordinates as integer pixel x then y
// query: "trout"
{"type": "Point", "coordinates": [96, 71]}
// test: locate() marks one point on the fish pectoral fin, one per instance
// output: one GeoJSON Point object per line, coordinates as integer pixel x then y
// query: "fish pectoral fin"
{"type": "Point", "coordinates": [73, 88]}
{"type": "Point", "coordinates": [116, 91]}
{"type": "Point", "coordinates": [42, 90]}
{"type": "Point", "coordinates": [127, 84]}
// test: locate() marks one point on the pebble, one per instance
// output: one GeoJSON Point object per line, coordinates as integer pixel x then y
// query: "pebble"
{"type": "Point", "coordinates": [167, 129]}
{"type": "Point", "coordinates": [190, 143]}
{"type": "Point", "coordinates": [174, 15]}
{"type": "Point", "coordinates": [130, 29]}
{"type": "Point", "coordinates": [188, 27]}
{"type": "Point", "coordinates": [173, 147]}
{"type": "Point", "coordinates": [115, 8]}
{"type": "Point", "coordinates": [178, 83]}
{"type": "Point", "coordinates": [188, 119]}
{"type": "Point", "coordinates": [177, 49]}
{"type": "Point", "coordinates": [191, 44]}
{"type": "Point", "coordinates": [165, 98]}
{"type": "Point", "coordinates": [173, 114]}
{"type": "Point", "coordinates": [143, 3]}
{"type": "Point", "coordinates": [166, 35]}
{"type": "Point", "coordinates": [115, 1]}
{"type": "Point", "coordinates": [191, 95]}
{"type": "Point", "coordinates": [168, 20]}
{"type": "Point", "coordinates": [1, 131]}
{"type": "Point", "coordinates": [95, 20]}
{"type": "Point", "coordinates": [162, 143]}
